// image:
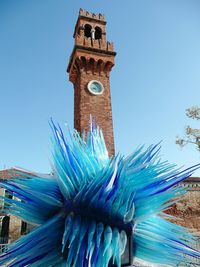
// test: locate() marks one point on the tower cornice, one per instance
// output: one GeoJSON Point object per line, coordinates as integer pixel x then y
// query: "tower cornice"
{"type": "Point", "coordinates": [92, 50]}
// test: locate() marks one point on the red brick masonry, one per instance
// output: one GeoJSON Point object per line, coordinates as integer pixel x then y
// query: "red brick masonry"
{"type": "Point", "coordinates": [92, 59]}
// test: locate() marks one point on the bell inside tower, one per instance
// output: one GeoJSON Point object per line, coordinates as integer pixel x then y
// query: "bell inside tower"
{"type": "Point", "coordinates": [94, 33]}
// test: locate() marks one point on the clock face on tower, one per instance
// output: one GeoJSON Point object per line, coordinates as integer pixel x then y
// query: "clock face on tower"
{"type": "Point", "coordinates": [95, 87]}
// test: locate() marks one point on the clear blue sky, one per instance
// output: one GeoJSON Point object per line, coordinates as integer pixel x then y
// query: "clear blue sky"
{"type": "Point", "coordinates": [156, 76]}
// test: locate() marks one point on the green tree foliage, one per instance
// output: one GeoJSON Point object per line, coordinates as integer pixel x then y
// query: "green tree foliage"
{"type": "Point", "coordinates": [192, 135]}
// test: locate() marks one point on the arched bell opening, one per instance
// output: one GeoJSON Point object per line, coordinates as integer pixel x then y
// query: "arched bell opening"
{"type": "Point", "coordinates": [87, 30]}
{"type": "Point", "coordinates": [98, 33]}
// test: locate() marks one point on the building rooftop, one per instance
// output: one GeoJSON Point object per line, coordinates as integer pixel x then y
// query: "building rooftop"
{"type": "Point", "coordinates": [8, 173]}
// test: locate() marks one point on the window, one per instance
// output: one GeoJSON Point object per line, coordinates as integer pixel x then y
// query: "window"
{"type": "Point", "coordinates": [98, 33]}
{"type": "Point", "coordinates": [4, 235]}
{"type": "Point", "coordinates": [87, 30]}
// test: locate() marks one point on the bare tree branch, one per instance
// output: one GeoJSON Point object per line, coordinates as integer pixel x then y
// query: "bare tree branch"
{"type": "Point", "coordinates": [192, 135]}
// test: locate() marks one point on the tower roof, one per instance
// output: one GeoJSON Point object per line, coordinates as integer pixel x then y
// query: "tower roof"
{"type": "Point", "coordinates": [90, 15]}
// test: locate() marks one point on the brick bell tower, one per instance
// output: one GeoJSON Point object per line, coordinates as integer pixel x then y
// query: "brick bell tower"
{"type": "Point", "coordinates": [89, 70]}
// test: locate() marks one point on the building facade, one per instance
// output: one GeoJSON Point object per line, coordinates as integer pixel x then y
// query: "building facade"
{"type": "Point", "coordinates": [11, 227]}
{"type": "Point", "coordinates": [187, 210]}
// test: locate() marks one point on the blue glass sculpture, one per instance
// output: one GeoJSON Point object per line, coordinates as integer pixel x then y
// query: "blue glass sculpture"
{"type": "Point", "coordinates": [86, 209]}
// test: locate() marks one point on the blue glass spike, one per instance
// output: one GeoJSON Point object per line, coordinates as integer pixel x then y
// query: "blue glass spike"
{"type": "Point", "coordinates": [86, 208]}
